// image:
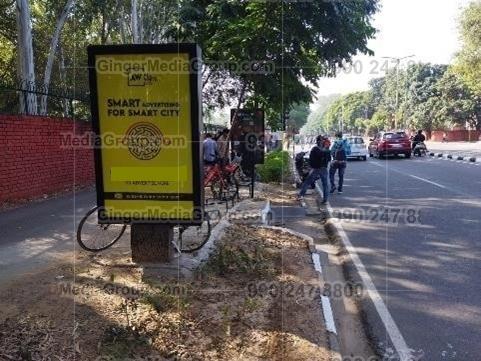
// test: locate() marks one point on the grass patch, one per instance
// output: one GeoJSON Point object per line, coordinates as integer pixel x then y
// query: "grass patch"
{"type": "Point", "coordinates": [275, 167]}
{"type": "Point", "coordinates": [232, 260]}
{"type": "Point", "coordinates": [119, 343]}
{"type": "Point", "coordinates": [163, 301]}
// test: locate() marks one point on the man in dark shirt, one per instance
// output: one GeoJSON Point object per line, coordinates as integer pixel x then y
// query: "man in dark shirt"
{"type": "Point", "coordinates": [418, 138]}
{"type": "Point", "coordinates": [319, 159]}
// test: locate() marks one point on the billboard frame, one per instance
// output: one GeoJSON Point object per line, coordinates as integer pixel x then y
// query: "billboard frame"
{"type": "Point", "coordinates": [194, 53]}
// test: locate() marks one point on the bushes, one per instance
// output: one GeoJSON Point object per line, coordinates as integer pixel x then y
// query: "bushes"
{"type": "Point", "coordinates": [275, 167]}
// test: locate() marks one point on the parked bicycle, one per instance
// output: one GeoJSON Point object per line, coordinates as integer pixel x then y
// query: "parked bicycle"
{"type": "Point", "coordinates": [93, 236]}
{"type": "Point", "coordinates": [222, 181]}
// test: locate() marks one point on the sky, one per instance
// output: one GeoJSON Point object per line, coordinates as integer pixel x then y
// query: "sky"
{"type": "Point", "coordinates": [427, 29]}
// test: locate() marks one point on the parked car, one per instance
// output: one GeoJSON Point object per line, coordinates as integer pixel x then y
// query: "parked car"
{"type": "Point", "coordinates": [358, 148]}
{"type": "Point", "coordinates": [390, 143]}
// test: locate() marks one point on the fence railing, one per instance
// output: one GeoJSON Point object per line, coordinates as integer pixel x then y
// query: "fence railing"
{"type": "Point", "coordinates": [29, 98]}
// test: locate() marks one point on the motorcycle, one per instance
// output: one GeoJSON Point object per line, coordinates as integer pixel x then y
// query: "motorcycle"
{"type": "Point", "coordinates": [302, 167]}
{"type": "Point", "coordinates": [420, 149]}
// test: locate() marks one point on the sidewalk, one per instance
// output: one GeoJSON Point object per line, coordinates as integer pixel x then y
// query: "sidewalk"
{"type": "Point", "coordinates": [38, 234]}
{"type": "Point", "coordinates": [462, 149]}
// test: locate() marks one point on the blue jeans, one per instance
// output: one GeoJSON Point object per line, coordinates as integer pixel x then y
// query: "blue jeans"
{"type": "Point", "coordinates": [313, 176]}
{"type": "Point", "coordinates": [341, 166]}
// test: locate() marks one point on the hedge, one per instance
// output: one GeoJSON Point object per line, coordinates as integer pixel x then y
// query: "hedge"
{"type": "Point", "coordinates": [275, 167]}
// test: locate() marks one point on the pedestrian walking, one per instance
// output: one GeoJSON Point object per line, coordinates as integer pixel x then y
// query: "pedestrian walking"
{"type": "Point", "coordinates": [319, 159]}
{"type": "Point", "coordinates": [223, 147]}
{"type": "Point", "coordinates": [340, 150]}
{"type": "Point", "coordinates": [209, 150]}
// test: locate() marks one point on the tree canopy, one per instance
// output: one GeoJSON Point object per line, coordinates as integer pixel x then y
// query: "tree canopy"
{"type": "Point", "coordinates": [292, 43]}
{"type": "Point", "coordinates": [468, 60]}
{"type": "Point", "coordinates": [430, 97]}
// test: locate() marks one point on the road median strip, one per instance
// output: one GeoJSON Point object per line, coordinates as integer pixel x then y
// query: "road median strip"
{"type": "Point", "coordinates": [470, 159]}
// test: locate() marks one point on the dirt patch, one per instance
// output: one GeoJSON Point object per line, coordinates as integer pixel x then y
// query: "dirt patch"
{"type": "Point", "coordinates": [257, 298]}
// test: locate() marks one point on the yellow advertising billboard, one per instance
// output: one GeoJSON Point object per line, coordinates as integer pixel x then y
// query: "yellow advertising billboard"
{"type": "Point", "coordinates": [145, 102]}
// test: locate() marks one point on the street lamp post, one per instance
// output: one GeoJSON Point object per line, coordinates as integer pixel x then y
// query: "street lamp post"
{"type": "Point", "coordinates": [397, 60]}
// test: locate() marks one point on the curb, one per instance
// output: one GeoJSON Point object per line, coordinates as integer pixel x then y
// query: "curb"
{"type": "Point", "coordinates": [327, 312]}
{"type": "Point", "coordinates": [351, 271]}
{"type": "Point", "coordinates": [455, 157]}
{"type": "Point", "coordinates": [216, 234]}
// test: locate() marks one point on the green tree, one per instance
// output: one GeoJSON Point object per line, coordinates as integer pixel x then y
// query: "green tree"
{"type": "Point", "coordinates": [345, 112]}
{"type": "Point", "coordinates": [314, 120]}
{"type": "Point", "coordinates": [456, 102]}
{"type": "Point", "coordinates": [302, 41]}
{"type": "Point", "coordinates": [378, 122]}
{"type": "Point", "coordinates": [420, 95]}
{"type": "Point", "coordinates": [468, 61]}
{"type": "Point", "coordinates": [298, 115]}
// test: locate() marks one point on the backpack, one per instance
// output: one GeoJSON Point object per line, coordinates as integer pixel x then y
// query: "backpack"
{"type": "Point", "coordinates": [340, 154]}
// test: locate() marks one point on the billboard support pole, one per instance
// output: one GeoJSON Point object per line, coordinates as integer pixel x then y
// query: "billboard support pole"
{"type": "Point", "coordinates": [152, 242]}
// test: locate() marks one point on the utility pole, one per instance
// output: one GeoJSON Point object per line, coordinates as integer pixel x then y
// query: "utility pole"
{"type": "Point", "coordinates": [397, 60]}
{"type": "Point", "coordinates": [341, 125]}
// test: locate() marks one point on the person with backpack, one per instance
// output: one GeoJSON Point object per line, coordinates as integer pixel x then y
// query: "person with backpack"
{"type": "Point", "coordinates": [340, 150]}
{"type": "Point", "coordinates": [319, 159]}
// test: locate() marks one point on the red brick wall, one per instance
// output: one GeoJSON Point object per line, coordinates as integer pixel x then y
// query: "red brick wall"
{"type": "Point", "coordinates": [459, 135]}
{"type": "Point", "coordinates": [33, 160]}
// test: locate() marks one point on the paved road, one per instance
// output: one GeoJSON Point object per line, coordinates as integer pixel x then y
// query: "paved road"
{"type": "Point", "coordinates": [427, 263]}
{"type": "Point", "coordinates": [33, 236]}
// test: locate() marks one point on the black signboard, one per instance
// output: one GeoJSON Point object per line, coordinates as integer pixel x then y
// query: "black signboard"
{"type": "Point", "coordinates": [247, 134]}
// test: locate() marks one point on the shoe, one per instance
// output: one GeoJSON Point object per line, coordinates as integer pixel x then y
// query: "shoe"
{"type": "Point", "coordinates": [333, 189]}
{"type": "Point", "coordinates": [339, 191]}
{"type": "Point", "coordinates": [300, 198]}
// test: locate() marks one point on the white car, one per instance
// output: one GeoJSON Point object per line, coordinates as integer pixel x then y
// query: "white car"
{"type": "Point", "coordinates": [358, 148]}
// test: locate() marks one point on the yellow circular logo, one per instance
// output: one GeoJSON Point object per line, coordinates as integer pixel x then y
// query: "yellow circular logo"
{"type": "Point", "coordinates": [144, 140]}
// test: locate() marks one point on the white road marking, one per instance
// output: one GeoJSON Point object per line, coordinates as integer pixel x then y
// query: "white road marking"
{"type": "Point", "coordinates": [317, 262]}
{"type": "Point", "coordinates": [392, 329]}
{"type": "Point", "coordinates": [402, 349]}
{"type": "Point", "coordinates": [328, 316]}
{"type": "Point", "coordinates": [325, 302]}
{"type": "Point", "coordinates": [428, 181]}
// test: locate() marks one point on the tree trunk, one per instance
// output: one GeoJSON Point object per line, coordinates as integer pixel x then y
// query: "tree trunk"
{"type": "Point", "coordinates": [63, 80]}
{"type": "Point", "coordinates": [51, 55]}
{"type": "Point", "coordinates": [140, 20]}
{"type": "Point", "coordinates": [135, 23]}
{"type": "Point", "coordinates": [26, 69]}
{"type": "Point", "coordinates": [123, 26]}
{"type": "Point", "coordinates": [151, 242]}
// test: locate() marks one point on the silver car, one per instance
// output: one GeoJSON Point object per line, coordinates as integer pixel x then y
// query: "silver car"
{"type": "Point", "coordinates": [358, 148]}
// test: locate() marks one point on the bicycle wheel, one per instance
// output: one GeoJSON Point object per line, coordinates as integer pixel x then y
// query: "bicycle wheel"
{"type": "Point", "coordinates": [234, 184]}
{"type": "Point", "coordinates": [95, 237]}
{"type": "Point", "coordinates": [189, 237]}
{"type": "Point", "coordinates": [217, 189]}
